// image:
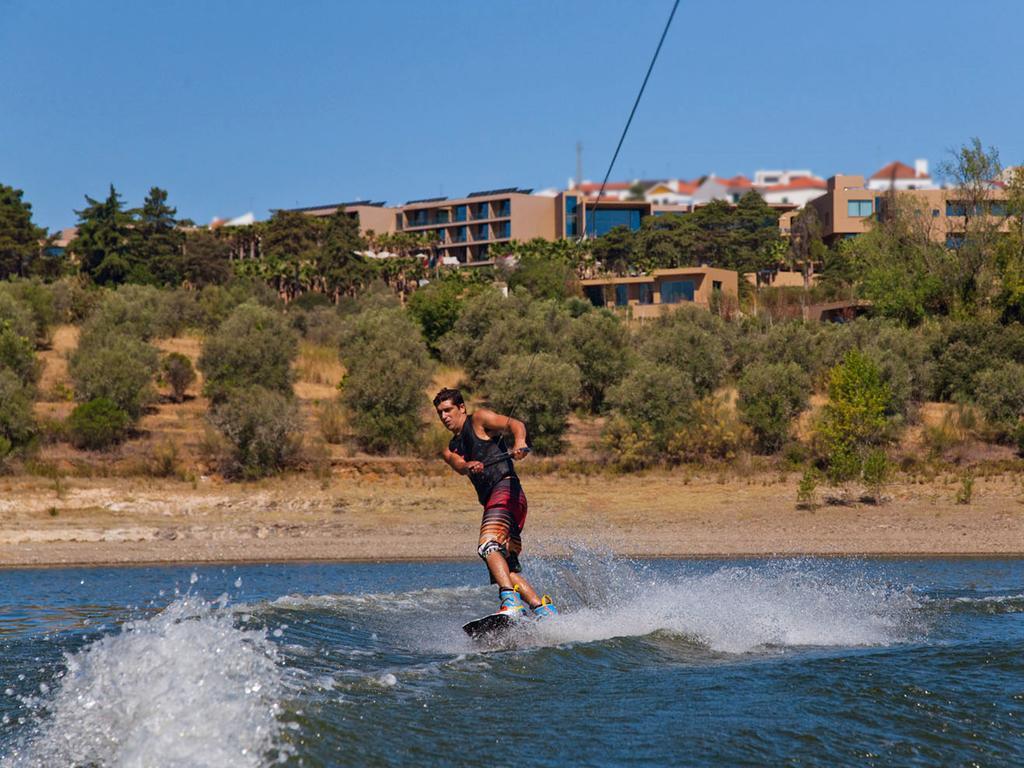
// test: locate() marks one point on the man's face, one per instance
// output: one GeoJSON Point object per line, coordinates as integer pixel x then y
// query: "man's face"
{"type": "Point", "coordinates": [451, 415]}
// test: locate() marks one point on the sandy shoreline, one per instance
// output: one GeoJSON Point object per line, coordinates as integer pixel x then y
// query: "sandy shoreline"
{"type": "Point", "coordinates": [370, 517]}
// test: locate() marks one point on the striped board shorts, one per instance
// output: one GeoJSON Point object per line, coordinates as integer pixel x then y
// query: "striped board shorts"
{"type": "Point", "coordinates": [504, 518]}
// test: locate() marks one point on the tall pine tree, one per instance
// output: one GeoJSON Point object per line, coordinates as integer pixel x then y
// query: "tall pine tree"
{"type": "Point", "coordinates": [104, 245]}
{"type": "Point", "coordinates": [19, 237]}
{"type": "Point", "coordinates": [159, 242]}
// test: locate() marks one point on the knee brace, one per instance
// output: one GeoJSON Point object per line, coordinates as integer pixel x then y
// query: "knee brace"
{"type": "Point", "coordinates": [491, 546]}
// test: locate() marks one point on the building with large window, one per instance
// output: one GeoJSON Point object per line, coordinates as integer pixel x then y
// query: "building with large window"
{"type": "Point", "coordinates": [648, 296]}
{"type": "Point", "coordinates": [849, 206]}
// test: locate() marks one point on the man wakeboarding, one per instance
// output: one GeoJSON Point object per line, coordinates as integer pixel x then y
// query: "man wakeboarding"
{"type": "Point", "coordinates": [478, 450]}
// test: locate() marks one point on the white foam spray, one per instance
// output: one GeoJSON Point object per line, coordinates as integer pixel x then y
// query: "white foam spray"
{"type": "Point", "coordinates": [733, 609]}
{"type": "Point", "coordinates": [183, 688]}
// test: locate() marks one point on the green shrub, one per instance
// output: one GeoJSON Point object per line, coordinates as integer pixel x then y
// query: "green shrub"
{"type": "Point", "coordinates": [807, 490]}
{"type": "Point", "coordinates": [599, 346]}
{"type": "Point", "coordinates": [17, 422]}
{"type": "Point", "coordinates": [177, 312]}
{"type": "Point", "coordinates": [876, 470]}
{"type": "Point", "coordinates": [437, 307]}
{"type": "Point", "coordinates": [712, 433]}
{"type": "Point", "coordinates": [965, 492]}
{"type": "Point", "coordinates": [854, 421]}
{"type": "Point", "coordinates": [17, 316]}
{"type": "Point", "coordinates": [388, 371]}
{"type": "Point", "coordinates": [74, 299]}
{"type": "Point", "coordinates": [37, 298]}
{"type": "Point", "coordinates": [17, 354]}
{"type": "Point", "coordinates": [117, 367]}
{"type": "Point", "coordinates": [689, 340]}
{"type": "Point", "coordinates": [131, 310]}
{"type": "Point", "coordinates": [217, 302]}
{"type": "Point", "coordinates": [385, 401]}
{"type": "Point", "coordinates": [253, 347]}
{"type": "Point", "coordinates": [771, 396]}
{"type": "Point", "coordinates": [97, 424]}
{"type": "Point", "coordinates": [538, 390]}
{"type": "Point", "coordinates": [630, 445]}
{"type": "Point", "coordinates": [262, 432]}
{"type": "Point", "coordinates": [491, 327]}
{"type": "Point", "coordinates": [179, 374]}
{"type": "Point", "coordinates": [968, 347]}
{"type": "Point", "coordinates": [321, 325]}
{"type": "Point", "coordinates": [999, 393]}
{"type": "Point", "coordinates": [654, 401]}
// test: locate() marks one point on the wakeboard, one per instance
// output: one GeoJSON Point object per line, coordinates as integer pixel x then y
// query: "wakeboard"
{"type": "Point", "coordinates": [489, 627]}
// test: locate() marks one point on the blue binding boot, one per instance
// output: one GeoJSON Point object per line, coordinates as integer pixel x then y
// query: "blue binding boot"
{"type": "Point", "coordinates": [511, 603]}
{"type": "Point", "coordinates": [545, 609]}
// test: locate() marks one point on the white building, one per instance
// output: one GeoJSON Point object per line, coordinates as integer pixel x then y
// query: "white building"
{"type": "Point", "coordinates": [900, 176]}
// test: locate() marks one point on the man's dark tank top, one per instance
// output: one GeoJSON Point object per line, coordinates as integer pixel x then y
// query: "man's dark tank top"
{"type": "Point", "coordinates": [472, 448]}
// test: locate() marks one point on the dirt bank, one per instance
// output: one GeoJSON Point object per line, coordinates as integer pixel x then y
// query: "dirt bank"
{"type": "Point", "coordinates": [368, 516]}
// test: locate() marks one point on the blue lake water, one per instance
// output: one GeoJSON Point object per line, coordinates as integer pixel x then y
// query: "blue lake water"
{"type": "Point", "coordinates": [669, 662]}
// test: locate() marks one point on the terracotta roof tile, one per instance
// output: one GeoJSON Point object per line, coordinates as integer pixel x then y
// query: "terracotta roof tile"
{"type": "Point", "coordinates": [897, 170]}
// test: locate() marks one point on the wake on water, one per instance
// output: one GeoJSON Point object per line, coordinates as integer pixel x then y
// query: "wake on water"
{"type": "Point", "coordinates": [184, 688]}
{"type": "Point", "coordinates": [202, 684]}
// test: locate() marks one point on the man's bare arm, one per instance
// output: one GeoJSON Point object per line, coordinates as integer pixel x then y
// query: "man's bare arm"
{"type": "Point", "coordinates": [496, 422]}
{"type": "Point", "coordinates": [460, 465]}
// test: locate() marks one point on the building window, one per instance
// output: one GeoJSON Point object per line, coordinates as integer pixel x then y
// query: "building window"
{"type": "Point", "coordinates": [997, 209]}
{"type": "Point", "coordinates": [955, 242]}
{"type": "Point", "coordinates": [503, 229]}
{"type": "Point", "coordinates": [716, 285]}
{"type": "Point", "coordinates": [675, 291]}
{"type": "Point", "coordinates": [646, 293]}
{"type": "Point", "coordinates": [858, 208]}
{"type": "Point", "coordinates": [621, 295]}
{"type": "Point", "coordinates": [482, 211]}
{"type": "Point", "coordinates": [954, 208]}
{"type": "Point", "coordinates": [460, 235]}
{"type": "Point", "coordinates": [460, 213]}
{"type": "Point", "coordinates": [601, 221]}
{"type": "Point", "coordinates": [441, 217]}
{"type": "Point", "coordinates": [440, 235]}
{"type": "Point", "coordinates": [595, 293]}
{"type": "Point", "coordinates": [503, 208]}
{"type": "Point", "coordinates": [480, 232]}
{"type": "Point", "coordinates": [935, 213]}
{"type": "Point", "coordinates": [571, 216]}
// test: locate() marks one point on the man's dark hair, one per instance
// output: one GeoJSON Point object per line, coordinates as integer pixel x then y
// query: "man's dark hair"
{"type": "Point", "coordinates": [448, 394]}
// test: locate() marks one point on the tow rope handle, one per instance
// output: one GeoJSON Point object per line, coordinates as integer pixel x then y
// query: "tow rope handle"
{"type": "Point", "coordinates": [508, 456]}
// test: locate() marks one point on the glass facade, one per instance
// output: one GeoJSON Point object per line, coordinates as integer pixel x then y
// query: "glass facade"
{"type": "Point", "coordinates": [460, 213]}
{"type": "Point", "coordinates": [460, 235]}
{"type": "Point", "coordinates": [621, 295]}
{"type": "Point", "coordinates": [602, 221]}
{"type": "Point", "coordinates": [572, 222]}
{"type": "Point", "coordinates": [595, 293]}
{"type": "Point", "coordinates": [442, 217]}
{"type": "Point", "coordinates": [675, 291]}
{"type": "Point", "coordinates": [858, 208]}
{"type": "Point", "coordinates": [480, 232]}
{"type": "Point", "coordinates": [482, 211]}
{"type": "Point", "coordinates": [503, 208]}
{"type": "Point", "coordinates": [646, 293]}
{"type": "Point", "coordinates": [503, 229]}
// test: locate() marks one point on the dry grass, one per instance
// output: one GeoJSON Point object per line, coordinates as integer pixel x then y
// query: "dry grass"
{"type": "Point", "coordinates": [54, 384]}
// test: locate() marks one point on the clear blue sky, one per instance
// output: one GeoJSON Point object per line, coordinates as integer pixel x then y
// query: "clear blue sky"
{"type": "Point", "coordinates": [234, 106]}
